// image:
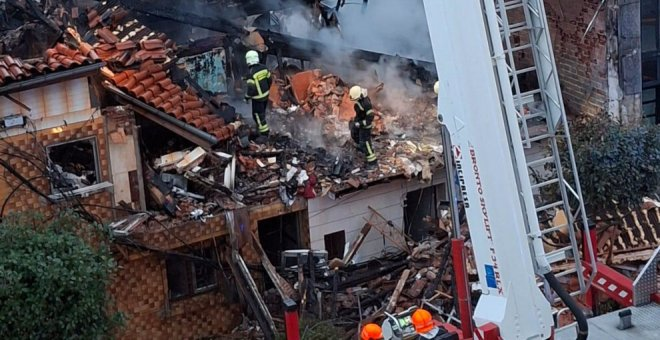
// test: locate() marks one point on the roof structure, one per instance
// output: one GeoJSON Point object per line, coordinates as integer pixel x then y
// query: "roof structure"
{"type": "Point", "coordinates": [59, 58]}
{"type": "Point", "coordinates": [140, 59]}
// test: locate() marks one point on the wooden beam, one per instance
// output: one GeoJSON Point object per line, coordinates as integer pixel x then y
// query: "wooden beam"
{"type": "Point", "coordinates": [358, 242]}
{"type": "Point", "coordinates": [397, 291]}
{"type": "Point", "coordinates": [283, 288]}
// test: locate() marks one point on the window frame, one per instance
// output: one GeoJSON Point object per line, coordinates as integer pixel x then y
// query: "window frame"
{"type": "Point", "coordinates": [61, 193]}
{"type": "Point", "coordinates": [190, 274]}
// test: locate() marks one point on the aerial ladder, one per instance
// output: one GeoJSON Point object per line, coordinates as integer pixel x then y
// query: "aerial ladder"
{"type": "Point", "coordinates": [490, 114]}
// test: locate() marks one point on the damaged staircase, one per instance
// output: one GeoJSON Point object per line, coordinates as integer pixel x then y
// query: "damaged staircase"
{"type": "Point", "coordinates": [538, 105]}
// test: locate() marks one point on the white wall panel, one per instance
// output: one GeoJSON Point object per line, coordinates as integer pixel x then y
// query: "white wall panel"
{"type": "Point", "coordinates": [8, 108]}
{"type": "Point", "coordinates": [35, 101]}
{"type": "Point", "coordinates": [77, 94]}
{"type": "Point", "coordinates": [55, 98]}
{"type": "Point", "coordinates": [349, 213]}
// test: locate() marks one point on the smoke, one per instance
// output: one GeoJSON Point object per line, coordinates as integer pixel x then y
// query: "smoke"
{"type": "Point", "coordinates": [393, 27]}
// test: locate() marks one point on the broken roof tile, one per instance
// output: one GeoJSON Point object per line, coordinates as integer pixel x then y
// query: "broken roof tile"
{"type": "Point", "coordinates": [152, 44]}
{"type": "Point", "coordinates": [151, 82]}
{"type": "Point", "coordinates": [60, 57]}
{"type": "Point", "coordinates": [107, 36]}
{"type": "Point", "coordinates": [126, 45]}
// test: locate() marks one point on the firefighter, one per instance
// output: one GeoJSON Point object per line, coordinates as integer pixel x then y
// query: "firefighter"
{"type": "Point", "coordinates": [371, 331]}
{"type": "Point", "coordinates": [329, 9]}
{"type": "Point", "coordinates": [362, 123]}
{"type": "Point", "coordinates": [424, 325]}
{"type": "Point", "coordinates": [258, 85]}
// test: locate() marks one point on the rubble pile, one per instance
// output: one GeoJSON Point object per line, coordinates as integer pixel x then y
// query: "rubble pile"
{"type": "Point", "coordinates": [190, 184]}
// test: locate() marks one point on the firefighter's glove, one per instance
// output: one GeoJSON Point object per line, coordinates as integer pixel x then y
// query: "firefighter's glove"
{"type": "Point", "coordinates": [357, 125]}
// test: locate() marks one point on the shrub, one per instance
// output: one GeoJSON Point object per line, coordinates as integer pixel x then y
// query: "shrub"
{"type": "Point", "coordinates": [618, 164]}
{"type": "Point", "coordinates": [53, 279]}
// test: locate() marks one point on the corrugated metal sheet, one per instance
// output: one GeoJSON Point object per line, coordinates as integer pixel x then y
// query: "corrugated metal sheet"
{"type": "Point", "coordinates": [208, 69]}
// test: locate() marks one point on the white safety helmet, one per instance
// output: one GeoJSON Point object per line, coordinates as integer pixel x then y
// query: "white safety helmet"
{"type": "Point", "coordinates": [355, 93]}
{"type": "Point", "coordinates": [436, 87]}
{"type": "Point", "coordinates": [252, 58]}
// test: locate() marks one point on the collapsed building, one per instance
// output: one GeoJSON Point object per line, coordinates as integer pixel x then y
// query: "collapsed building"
{"type": "Point", "coordinates": [213, 231]}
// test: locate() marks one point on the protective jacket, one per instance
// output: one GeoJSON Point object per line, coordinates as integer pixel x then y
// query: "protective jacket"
{"type": "Point", "coordinates": [258, 83]}
{"type": "Point", "coordinates": [364, 113]}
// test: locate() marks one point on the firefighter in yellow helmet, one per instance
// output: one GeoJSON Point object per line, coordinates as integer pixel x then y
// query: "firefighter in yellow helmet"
{"type": "Point", "coordinates": [258, 84]}
{"type": "Point", "coordinates": [362, 123]}
{"type": "Point", "coordinates": [371, 331]}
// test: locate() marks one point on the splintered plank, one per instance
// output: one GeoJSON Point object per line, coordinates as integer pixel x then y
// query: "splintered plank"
{"type": "Point", "coordinates": [397, 291]}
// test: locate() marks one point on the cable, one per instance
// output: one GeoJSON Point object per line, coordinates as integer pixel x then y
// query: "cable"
{"type": "Point", "coordinates": [583, 326]}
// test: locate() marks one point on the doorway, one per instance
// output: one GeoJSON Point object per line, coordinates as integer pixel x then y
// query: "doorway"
{"type": "Point", "coordinates": [280, 233]}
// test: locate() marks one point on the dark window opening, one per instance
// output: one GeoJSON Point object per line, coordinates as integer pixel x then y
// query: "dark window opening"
{"type": "Point", "coordinates": [421, 213]}
{"type": "Point", "coordinates": [334, 244]}
{"type": "Point", "coordinates": [74, 165]}
{"type": "Point", "coordinates": [188, 276]}
{"type": "Point", "coordinates": [650, 36]}
{"type": "Point", "coordinates": [278, 234]}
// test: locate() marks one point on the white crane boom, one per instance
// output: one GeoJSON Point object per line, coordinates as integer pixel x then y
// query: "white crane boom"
{"type": "Point", "coordinates": [498, 200]}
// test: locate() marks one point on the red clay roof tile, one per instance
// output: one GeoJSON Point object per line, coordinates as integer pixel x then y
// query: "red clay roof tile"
{"type": "Point", "coordinates": [152, 44]}
{"type": "Point", "coordinates": [55, 59]}
{"type": "Point", "coordinates": [156, 101]}
{"type": "Point", "coordinates": [126, 45]}
{"type": "Point", "coordinates": [152, 83]}
{"type": "Point", "coordinates": [107, 35]}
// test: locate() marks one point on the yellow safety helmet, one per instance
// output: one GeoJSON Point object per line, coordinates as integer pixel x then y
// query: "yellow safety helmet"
{"type": "Point", "coordinates": [355, 93]}
{"type": "Point", "coordinates": [436, 87]}
{"type": "Point", "coordinates": [252, 58]}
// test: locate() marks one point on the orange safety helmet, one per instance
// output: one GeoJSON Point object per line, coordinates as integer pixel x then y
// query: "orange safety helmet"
{"type": "Point", "coordinates": [371, 331]}
{"type": "Point", "coordinates": [422, 321]}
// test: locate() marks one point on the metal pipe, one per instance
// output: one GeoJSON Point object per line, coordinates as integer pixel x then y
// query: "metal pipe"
{"type": "Point", "coordinates": [457, 244]}
{"type": "Point", "coordinates": [462, 289]}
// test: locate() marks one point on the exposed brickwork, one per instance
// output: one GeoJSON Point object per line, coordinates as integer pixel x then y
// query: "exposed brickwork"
{"type": "Point", "coordinates": [139, 290]}
{"type": "Point", "coordinates": [582, 65]}
{"type": "Point", "coordinates": [140, 287]}
{"type": "Point", "coordinates": [34, 144]}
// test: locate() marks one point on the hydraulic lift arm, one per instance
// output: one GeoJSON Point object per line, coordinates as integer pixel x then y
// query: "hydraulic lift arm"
{"type": "Point", "coordinates": [491, 173]}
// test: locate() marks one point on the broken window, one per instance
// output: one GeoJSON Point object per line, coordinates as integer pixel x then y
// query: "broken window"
{"type": "Point", "coordinates": [74, 165]}
{"type": "Point", "coordinates": [187, 276]}
{"type": "Point", "coordinates": [334, 244]}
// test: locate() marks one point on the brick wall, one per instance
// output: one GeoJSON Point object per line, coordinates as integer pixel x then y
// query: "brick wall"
{"type": "Point", "coordinates": [139, 291]}
{"type": "Point", "coordinates": [582, 65]}
{"type": "Point", "coordinates": [139, 288]}
{"type": "Point", "coordinates": [32, 147]}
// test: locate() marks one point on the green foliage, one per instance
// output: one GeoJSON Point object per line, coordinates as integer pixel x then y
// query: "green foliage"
{"type": "Point", "coordinates": [618, 164]}
{"type": "Point", "coordinates": [53, 278]}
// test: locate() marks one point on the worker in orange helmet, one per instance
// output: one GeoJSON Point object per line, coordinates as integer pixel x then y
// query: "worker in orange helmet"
{"type": "Point", "coordinates": [371, 331]}
{"type": "Point", "coordinates": [424, 325]}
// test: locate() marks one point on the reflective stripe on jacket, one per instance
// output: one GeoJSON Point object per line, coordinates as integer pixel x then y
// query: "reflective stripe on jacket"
{"type": "Point", "coordinates": [364, 113]}
{"type": "Point", "coordinates": [258, 83]}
